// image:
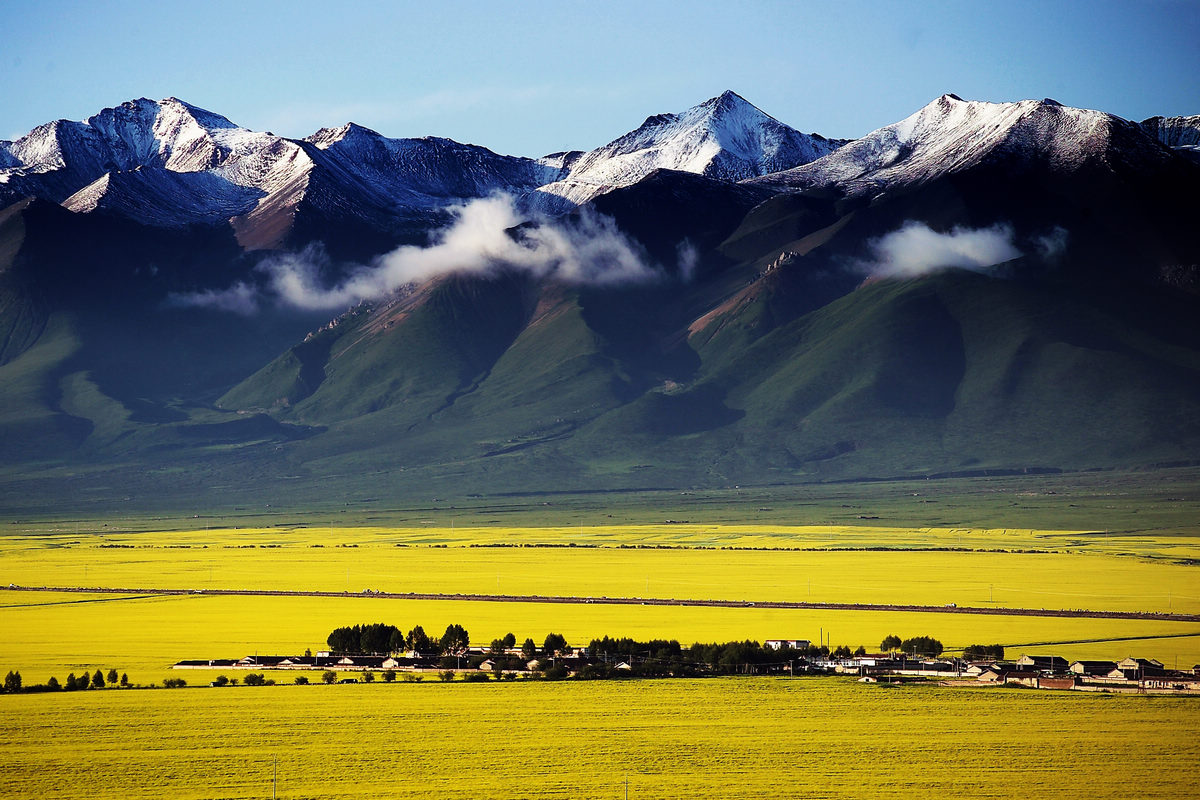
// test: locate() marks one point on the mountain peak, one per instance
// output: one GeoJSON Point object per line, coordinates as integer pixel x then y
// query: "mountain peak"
{"type": "Point", "coordinates": [952, 135]}
{"type": "Point", "coordinates": [728, 99]}
{"type": "Point", "coordinates": [349, 132]}
{"type": "Point", "coordinates": [725, 137]}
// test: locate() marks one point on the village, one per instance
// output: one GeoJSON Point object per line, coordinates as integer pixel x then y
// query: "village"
{"type": "Point", "coordinates": [658, 659]}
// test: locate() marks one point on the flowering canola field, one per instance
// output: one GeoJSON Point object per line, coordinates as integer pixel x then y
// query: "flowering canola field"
{"type": "Point", "coordinates": [145, 635]}
{"type": "Point", "coordinates": [1068, 570]}
{"type": "Point", "coordinates": [716, 738]}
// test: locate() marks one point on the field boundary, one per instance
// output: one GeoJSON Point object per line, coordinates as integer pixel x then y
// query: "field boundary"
{"type": "Point", "coordinates": [631, 601]}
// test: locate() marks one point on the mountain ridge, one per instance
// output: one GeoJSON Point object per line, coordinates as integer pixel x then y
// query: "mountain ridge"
{"type": "Point", "coordinates": [766, 340]}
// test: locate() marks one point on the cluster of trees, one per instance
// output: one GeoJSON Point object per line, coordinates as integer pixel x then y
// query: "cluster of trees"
{"type": "Point", "coordinates": [14, 683]}
{"type": "Point", "coordinates": [382, 639]}
{"type": "Point", "coordinates": [257, 679]}
{"type": "Point", "coordinates": [367, 639]}
{"type": "Point", "coordinates": [916, 646]}
{"type": "Point", "coordinates": [984, 651]}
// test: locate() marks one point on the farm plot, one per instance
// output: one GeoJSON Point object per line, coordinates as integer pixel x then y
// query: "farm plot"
{"type": "Point", "coordinates": [719, 738]}
{"type": "Point", "coordinates": [452, 562]}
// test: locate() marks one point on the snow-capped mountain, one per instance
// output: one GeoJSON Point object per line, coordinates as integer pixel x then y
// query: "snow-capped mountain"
{"type": "Point", "coordinates": [725, 138]}
{"type": "Point", "coordinates": [1181, 134]}
{"type": "Point", "coordinates": [951, 135]}
{"type": "Point", "coordinates": [427, 169]}
{"type": "Point", "coordinates": [172, 164]}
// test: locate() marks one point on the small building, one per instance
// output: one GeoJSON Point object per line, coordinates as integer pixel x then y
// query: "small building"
{"type": "Point", "coordinates": [624, 666]}
{"type": "Point", "coordinates": [487, 665]}
{"type": "Point", "coordinates": [1139, 663]}
{"type": "Point", "coordinates": [1092, 667]}
{"type": "Point", "coordinates": [1022, 677]}
{"type": "Point", "coordinates": [794, 644]}
{"type": "Point", "coordinates": [1043, 663]}
{"type": "Point", "coordinates": [260, 662]}
{"type": "Point", "coordinates": [994, 673]}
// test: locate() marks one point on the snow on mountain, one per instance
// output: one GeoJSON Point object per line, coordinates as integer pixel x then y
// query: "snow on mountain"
{"type": "Point", "coordinates": [1181, 134]}
{"type": "Point", "coordinates": [951, 135]}
{"type": "Point", "coordinates": [170, 163]}
{"type": "Point", "coordinates": [80, 163]}
{"type": "Point", "coordinates": [165, 198]}
{"type": "Point", "coordinates": [428, 170]}
{"type": "Point", "coordinates": [725, 138]}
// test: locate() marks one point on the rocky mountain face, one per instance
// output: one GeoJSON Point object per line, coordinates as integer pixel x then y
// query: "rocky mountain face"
{"type": "Point", "coordinates": [718, 300]}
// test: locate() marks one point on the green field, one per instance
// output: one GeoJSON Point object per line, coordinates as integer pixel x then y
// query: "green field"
{"type": "Point", "coordinates": [718, 738]}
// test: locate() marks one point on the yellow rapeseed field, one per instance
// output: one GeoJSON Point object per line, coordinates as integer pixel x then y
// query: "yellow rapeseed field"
{"type": "Point", "coordinates": [717, 738]}
{"type": "Point", "coordinates": [54, 634]}
{"type": "Point", "coordinates": [1086, 575]}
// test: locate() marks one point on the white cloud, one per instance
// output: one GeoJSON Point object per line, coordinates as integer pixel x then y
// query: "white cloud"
{"type": "Point", "coordinates": [584, 249]}
{"type": "Point", "coordinates": [916, 249]}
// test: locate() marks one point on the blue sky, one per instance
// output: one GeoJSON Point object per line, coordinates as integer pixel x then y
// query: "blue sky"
{"type": "Point", "coordinates": [534, 77]}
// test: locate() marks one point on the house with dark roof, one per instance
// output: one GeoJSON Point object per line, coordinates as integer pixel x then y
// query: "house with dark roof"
{"type": "Point", "coordinates": [1043, 663]}
{"type": "Point", "coordinates": [1092, 667]}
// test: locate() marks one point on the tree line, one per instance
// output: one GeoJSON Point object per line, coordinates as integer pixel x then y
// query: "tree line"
{"type": "Point", "coordinates": [381, 639]}
{"type": "Point", "coordinates": [14, 683]}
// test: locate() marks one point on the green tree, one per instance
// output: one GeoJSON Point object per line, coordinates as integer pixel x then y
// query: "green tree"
{"type": "Point", "coordinates": [221, 681]}
{"type": "Point", "coordinates": [82, 681]}
{"type": "Point", "coordinates": [254, 679]}
{"type": "Point", "coordinates": [71, 681]}
{"type": "Point", "coordinates": [984, 651]}
{"type": "Point", "coordinates": [369, 677]}
{"type": "Point", "coordinates": [860, 651]}
{"type": "Point", "coordinates": [890, 643]}
{"type": "Point", "coordinates": [455, 639]}
{"type": "Point", "coordinates": [417, 640]}
{"type": "Point", "coordinates": [53, 684]}
{"type": "Point", "coordinates": [389, 675]}
{"type": "Point", "coordinates": [111, 678]}
{"type": "Point", "coordinates": [528, 649]}
{"type": "Point", "coordinates": [12, 682]}
{"type": "Point", "coordinates": [922, 646]}
{"type": "Point", "coordinates": [301, 680]}
{"type": "Point", "coordinates": [446, 675]}
{"type": "Point", "coordinates": [497, 647]}
{"type": "Point", "coordinates": [510, 639]}
{"type": "Point", "coordinates": [328, 676]}
{"type": "Point", "coordinates": [98, 680]}
{"type": "Point", "coordinates": [554, 643]}
{"type": "Point", "coordinates": [124, 679]}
